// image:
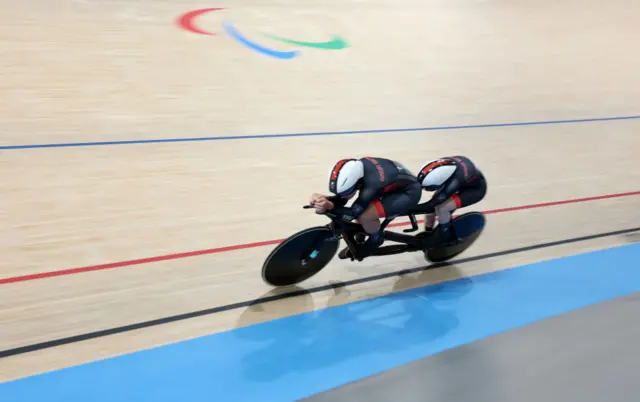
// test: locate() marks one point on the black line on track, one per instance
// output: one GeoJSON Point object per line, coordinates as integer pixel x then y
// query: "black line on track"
{"type": "Point", "coordinates": [214, 310]}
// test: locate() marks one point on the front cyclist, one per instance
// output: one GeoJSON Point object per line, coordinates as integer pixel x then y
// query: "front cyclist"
{"type": "Point", "coordinates": [386, 189]}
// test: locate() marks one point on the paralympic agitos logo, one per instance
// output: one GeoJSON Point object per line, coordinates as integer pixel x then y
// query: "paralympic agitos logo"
{"type": "Point", "coordinates": [187, 21]}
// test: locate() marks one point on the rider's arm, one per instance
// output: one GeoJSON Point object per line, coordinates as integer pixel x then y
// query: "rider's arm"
{"type": "Point", "coordinates": [338, 201]}
{"type": "Point", "coordinates": [449, 188]}
{"type": "Point", "coordinates": [365, 198]}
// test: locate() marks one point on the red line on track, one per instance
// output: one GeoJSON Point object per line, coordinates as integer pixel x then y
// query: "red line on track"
{"type": "Point", "coordinates": [120, 264]}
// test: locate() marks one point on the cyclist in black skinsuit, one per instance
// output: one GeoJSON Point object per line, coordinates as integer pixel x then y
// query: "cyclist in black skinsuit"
{"type": "Point", "coordinates": [457, 183]}
{"type": "Point", "coordinates": [387, 189]}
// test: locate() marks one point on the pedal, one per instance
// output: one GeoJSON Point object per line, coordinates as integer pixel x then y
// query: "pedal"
{"type": "Point", "coordinates": [345, 254]}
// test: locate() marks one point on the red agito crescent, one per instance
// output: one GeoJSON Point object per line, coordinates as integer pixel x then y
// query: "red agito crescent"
{"type": "Point", "coordinates": [188, 20]}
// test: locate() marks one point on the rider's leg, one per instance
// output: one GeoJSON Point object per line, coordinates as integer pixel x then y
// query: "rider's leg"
{"type": "Point", "coordinates": [370, 222]}
{"type": "Point", "coordinates": [472, 193]}
{"type": "Point", "coordinates": [370, 218]}
{"type": "Point", "coordinates": [392, 204]}
{"type": "Point", "coordinates": [443, 211]}
{"type": "Point", "coordinates": [468, 195]}
{"type": "Point", "coordinates": [429, 221]}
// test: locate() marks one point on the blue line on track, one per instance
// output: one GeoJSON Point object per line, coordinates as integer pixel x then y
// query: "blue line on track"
{"type": "Point", "coordinates": [322, 133]}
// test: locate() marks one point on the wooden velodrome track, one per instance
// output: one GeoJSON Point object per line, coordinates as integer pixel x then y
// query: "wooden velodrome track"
{"type": "Point", "coordinates": [87, 72]}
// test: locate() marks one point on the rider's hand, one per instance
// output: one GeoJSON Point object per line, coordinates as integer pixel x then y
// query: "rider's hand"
{"type": "Point", "coordinates": [323, 206]}
{"type": "Point", "coordinates": [315, 198]}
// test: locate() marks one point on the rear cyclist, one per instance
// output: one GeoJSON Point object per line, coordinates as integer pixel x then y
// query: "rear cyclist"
{"type": "Point", "coordinates": [457, 183]}
{"type": "Point", "coordinates": [387, 189]}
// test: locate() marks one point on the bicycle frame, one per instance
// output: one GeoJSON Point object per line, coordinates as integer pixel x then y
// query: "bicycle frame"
{"type": "Point", "coordinates": [349, 229]}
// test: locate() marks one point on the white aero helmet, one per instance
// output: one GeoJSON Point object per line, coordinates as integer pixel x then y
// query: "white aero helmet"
{"type": "Point", "coordinates": [434, 173]}
{"type": "Point", "coordinates": [345, 176]}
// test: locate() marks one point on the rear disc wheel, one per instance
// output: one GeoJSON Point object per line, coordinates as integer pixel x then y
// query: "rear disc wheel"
{"type": "Point", "coordinates": [468, 228]}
